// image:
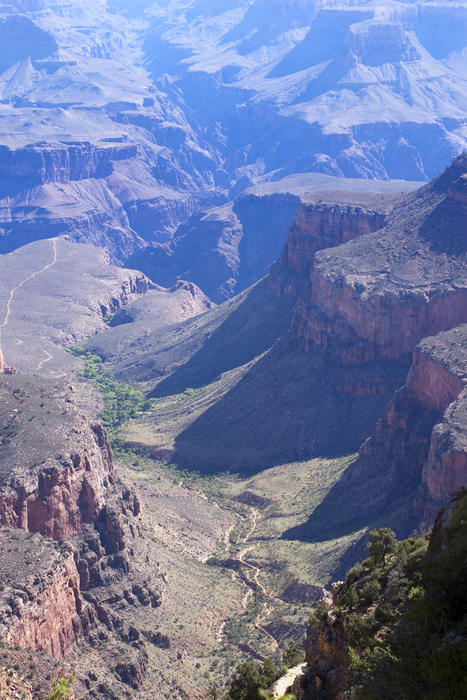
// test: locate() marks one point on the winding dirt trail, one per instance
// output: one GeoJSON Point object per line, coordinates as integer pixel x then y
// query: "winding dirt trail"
{"type": "Point", "coordinates": [253, 583]}
{"type": "Point", "coordinates": [18, 286]}
{"type": "Point", "coordinates": [45, 360]}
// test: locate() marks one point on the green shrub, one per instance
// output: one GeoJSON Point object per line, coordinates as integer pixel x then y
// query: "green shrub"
{"type": "Point", "coordinates": [121, 401]}
{"type": "Point", "coordinates": [292, 654]}
{"type": "Point", "coordinates": [384, 614]}
{"type": "Point", "coordinates": [369, 591]}
{"type": "Point", "coordinates": [249, 678]}
{"type": "Point", "coordinates": [62, 687]}
{"type": "Point", "coordinates": [360, 629]}
{"type": "Point", "coordinates": [381, 543]}
{"type": "Point", "coordinates": [350, 598]}
{"type": "Point", "coordinates": [318, 614]}
{"type": "Point", "coordinates": [354, 573]}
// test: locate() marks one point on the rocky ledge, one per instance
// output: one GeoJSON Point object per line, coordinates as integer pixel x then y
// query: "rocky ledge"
{"type": "Point", "coordinates": [40, 601]}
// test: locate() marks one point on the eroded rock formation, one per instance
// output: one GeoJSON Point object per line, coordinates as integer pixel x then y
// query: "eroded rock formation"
{"type": "Point", "coordinates": [377, 297]}
{"type": "Point", "coordinates": [68, 525]}
{"type": "Point", "coordinates": [41, 604]}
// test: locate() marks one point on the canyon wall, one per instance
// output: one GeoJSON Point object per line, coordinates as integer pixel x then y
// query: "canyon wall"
{"type": "Point", "coordinates": [375, 298]}
{"type": "Point", "coordinates": [378, 307]}
{"type": "Point", "coordinates": [42, 609]}
{"type": "Point", "coordinates": [67, 519]}
{"type": "Point", "coordinates": [324, 225]}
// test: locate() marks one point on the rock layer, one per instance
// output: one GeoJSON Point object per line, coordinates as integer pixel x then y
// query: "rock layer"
{"type": "Point", "coordinates": [41, 604]}
{"type": "Point", "coordinates": [63, 490]}
{"type": "Point", "coordinates": [376, 297]}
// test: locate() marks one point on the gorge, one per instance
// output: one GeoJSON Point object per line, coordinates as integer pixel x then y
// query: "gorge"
{"type": "Point", "coordinates": [233, 348]}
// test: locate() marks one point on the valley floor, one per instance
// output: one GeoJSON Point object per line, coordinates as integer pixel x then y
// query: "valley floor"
{"type": "Point", "coordinates": [234, 589]}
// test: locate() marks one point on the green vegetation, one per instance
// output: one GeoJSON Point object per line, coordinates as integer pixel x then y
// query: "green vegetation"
{"type": "Point", "coordinates": [62, 687]}
{"type": "Point", "coordinates": [293, 654]}
{"type": "Point", "coordinates": [381, 543]}
{"type": "Point", "coordinates": [403, 614]}
{"type": "Point", "coordinates": [250, 677]}
{"type": "Point", "coordinates": [121, 401]}
{"type": "Point", "coordinates": [318, 614]}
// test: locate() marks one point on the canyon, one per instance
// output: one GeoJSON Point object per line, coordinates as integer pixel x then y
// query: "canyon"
{"type": "Point", "coordinates": [233, 329]}
{"type": "Point", "coordinates": [326, 398]}
{"type": "Point", "coordinates": [152, 166]}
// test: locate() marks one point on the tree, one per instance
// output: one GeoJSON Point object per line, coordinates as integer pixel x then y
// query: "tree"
{"type": "Point", "coordinates": [268, 674]}
{"type": "Point", "coordinates": [61, 687]}
{"type": "Point", "coordinates": [381, 542]}
{"type": "Point", "coordinates": [245, 682]}
{"type": "Point", "coordinates": [250, 677]}
{"type": "Point", "coordinates": [293, 653]}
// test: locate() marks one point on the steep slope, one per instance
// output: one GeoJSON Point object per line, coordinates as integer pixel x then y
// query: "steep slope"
{"type": "Point", "coordinates": [92, 575]}
{"type": "Point", "coordinates": [370, 301]}
{"type": "Point", "coordinates": [397, 622]}
{"type": "Point", "coordinates": [69, 525]}
{"type": "Point", "coordinates": [225, 249]}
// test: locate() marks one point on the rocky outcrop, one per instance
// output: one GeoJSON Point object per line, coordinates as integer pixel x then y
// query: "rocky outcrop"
{"type": "Point", "coordinates": [324, 225]}
{"type": "Point", "coordinates": [41, 606]}
{"type": "Point", "coordinates": [12, 685]}
{"type": "Point", "coordinates": [376, 297]}
{"type": "Point", "coordinates": [372, 308]}
{"type": "Point", "coordinates": [408, 449]}
{"type": "Point", "coordinates": [68, 523]}
{"type": "Point", "coordinates": [34, 165]}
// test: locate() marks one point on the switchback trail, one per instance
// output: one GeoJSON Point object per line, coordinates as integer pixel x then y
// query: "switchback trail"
{"type": "Point", "coordinates": [253, 584]}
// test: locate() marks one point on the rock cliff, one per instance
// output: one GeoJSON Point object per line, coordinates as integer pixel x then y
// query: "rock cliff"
{"type": "Point", "coordinates": [68, 526]}
{"type": "Point", "coordinates": [373, 305]}
{"type": "Point", "coordinates": [325, 225]}
{"type": "Point", "coordinates": [376, 297]}
{"type": "Point", "coordinates": [41, 604]}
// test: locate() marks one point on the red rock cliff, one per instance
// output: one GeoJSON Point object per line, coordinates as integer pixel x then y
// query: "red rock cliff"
{"type": "Point", "coordinates": [376, 297]}
{"type": "Point", "coordinates": [321, 225]}
{"type": "Point", "coordinates": [62, 489]}
{"type": "Point", "coordinates": [41, 606]}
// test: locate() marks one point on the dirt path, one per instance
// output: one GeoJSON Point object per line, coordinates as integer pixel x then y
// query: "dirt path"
{"type": "Point", "coordinates": [253, 583]}
{"type": "Point", "coordinates": [45, 360]}
{"type": "Point", "coordinates": [18, 286]}
{"type": "Point", "coordinates": [280, 686]}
